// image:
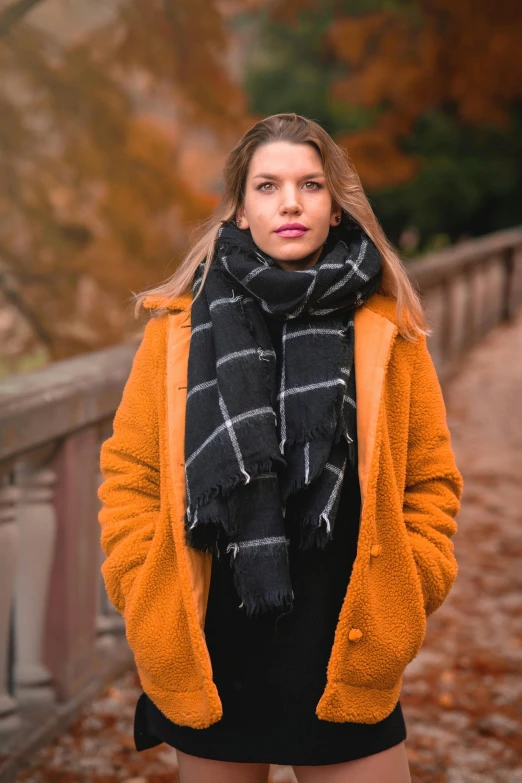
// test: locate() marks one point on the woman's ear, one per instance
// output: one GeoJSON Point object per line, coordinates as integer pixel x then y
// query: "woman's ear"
{"type": "Point", "coordinates": [241, 218]}
{"type": "Point", "coordinates": [336, 215]}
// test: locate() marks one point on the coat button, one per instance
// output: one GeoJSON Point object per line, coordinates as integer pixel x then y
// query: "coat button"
{"type": "Point", "coordinates": [376, 550]}
{"type": "Point", "coordinates": [354, 634]}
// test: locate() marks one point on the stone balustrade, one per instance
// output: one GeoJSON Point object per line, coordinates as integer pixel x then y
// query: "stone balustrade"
{"type": "Point", "coordinates": [54, 612]}
{"type": "Point", "coordinates": [467, 290]}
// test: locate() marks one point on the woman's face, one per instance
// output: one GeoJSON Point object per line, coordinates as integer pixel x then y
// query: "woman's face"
{"type": "Point", "coordinates": [285, 184]}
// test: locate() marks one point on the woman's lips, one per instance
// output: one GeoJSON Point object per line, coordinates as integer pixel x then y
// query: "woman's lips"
{"type": "Point", "coordinates": [291, 232]}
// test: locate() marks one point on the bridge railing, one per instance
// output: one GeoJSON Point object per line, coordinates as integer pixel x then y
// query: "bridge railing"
{"type": "Point", "coordinates": [55, 617]}
{"type": "Point", "coordinates": [54, 613]}
{"type": "Point", "coordinates": [467, 290]}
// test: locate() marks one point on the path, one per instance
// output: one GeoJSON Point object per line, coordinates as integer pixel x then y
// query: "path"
{"type": "Point", "coordinates": [462, 695]}
{"type": "Point", "coordinates": [463, 692]}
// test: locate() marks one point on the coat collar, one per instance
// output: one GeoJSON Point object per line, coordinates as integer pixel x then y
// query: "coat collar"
{"type": "Point", "coordinates": [375, 329]}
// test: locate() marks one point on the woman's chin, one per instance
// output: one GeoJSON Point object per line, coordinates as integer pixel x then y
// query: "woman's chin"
{"type": "Point", "coordinates": [293, 252]}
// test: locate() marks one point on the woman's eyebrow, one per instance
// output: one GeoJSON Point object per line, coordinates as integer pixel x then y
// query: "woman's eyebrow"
{"type": "Point", "coordinates": [274, 176]}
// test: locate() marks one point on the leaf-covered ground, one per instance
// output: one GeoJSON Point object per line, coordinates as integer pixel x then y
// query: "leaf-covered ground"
{"type": "Point", "coordinates": [462, 695]}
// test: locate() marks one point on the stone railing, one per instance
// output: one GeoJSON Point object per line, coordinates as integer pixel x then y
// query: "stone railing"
{"type": "Point", "coordinates": [54, 613]}
{"type": "Point", "coordinates": [53, 608]}
{"type": "Point", "coordinates": [467, 290]}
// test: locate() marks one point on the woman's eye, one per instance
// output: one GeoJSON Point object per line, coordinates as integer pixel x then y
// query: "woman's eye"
{"type": "Point", "coordinates": [266, 186]}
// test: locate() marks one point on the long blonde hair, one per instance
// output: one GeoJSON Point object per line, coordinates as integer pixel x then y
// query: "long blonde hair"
{"type": "Point", "coordinates": [346, 189]}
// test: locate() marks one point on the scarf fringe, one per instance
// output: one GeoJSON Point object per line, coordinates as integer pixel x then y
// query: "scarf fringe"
{"type": "Point", "coordinates": [274, 596]}
{"type": "Point", "coordinates": [270, 601]}
{"type": "Point", "coordinates": [323, 429]}
{"type": "Point", "coordinates": [203, 536]}
{"type": "Point", "coordinates": [312, 533]}
{"type": "Point", "coordinates": [299, 482]}
{"type": "Point", "coordinates": [225, 489]}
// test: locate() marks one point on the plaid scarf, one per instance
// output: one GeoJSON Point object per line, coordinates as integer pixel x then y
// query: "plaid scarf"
{"type": "Point", "coordinates": [266, 450]}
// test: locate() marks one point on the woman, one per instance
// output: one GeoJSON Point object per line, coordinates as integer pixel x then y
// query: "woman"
{"type": "Point", "coordinates": [280, 490]}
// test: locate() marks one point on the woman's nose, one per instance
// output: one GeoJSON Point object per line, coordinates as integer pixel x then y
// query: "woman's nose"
{"type": "Point", "coordinates": [290, 201]}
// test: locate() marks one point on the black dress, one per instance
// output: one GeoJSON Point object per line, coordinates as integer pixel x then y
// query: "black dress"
{"type": "Point", "coordinates": [270, 670]}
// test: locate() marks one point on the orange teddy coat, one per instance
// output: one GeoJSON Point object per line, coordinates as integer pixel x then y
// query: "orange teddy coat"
{"type": "Point", "coordinates": [405, 566]}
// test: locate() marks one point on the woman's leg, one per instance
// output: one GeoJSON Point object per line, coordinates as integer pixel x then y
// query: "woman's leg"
{"type": "Point", "coordinates": [193, 769]}
{"type": "Point", "coordinates": [388, 766]}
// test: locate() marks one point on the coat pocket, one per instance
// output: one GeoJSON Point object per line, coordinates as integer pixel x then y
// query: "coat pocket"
{"type": "Point", "coordinates": [156, 621]}
{"type": "Point", "coordinates": [377, 639]}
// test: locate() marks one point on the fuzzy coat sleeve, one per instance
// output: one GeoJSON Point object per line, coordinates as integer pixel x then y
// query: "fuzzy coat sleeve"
{"type": "Point", "coordinates": [129, 463]}
{"type": "Point", "coordinates": [433, 484]}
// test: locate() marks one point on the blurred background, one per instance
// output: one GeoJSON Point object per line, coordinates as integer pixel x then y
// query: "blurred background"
{"type": "Point", "coordinates": [116, 117]}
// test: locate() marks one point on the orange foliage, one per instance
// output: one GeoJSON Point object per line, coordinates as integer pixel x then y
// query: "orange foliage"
{"type": "Point", "coordinates": [464, 53]}
{"type": "Point", "coordinates": [112, 147]}
{"type": "Point", "coordinates": [184, 42]}
{"type": "Point", "coordinates": [408, 59]}
{"type": "Point", "coordinates": [377, 159]}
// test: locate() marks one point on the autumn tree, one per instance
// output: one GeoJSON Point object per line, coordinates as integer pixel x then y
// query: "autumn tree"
{"type": "Point", "coordinates": [105, 143]}
{"type": "Point", "coordinates": [426, 97]}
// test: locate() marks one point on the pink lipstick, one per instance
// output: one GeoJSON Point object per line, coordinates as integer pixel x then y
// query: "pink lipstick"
{"type": "Point", "coordinates": [291, 230]}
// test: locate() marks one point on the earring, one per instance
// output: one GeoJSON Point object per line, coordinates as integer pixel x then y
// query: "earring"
{"type": "Point", "coordinates": [338, 218]}
{"type": "Point", "coordinates": [238, 223]}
